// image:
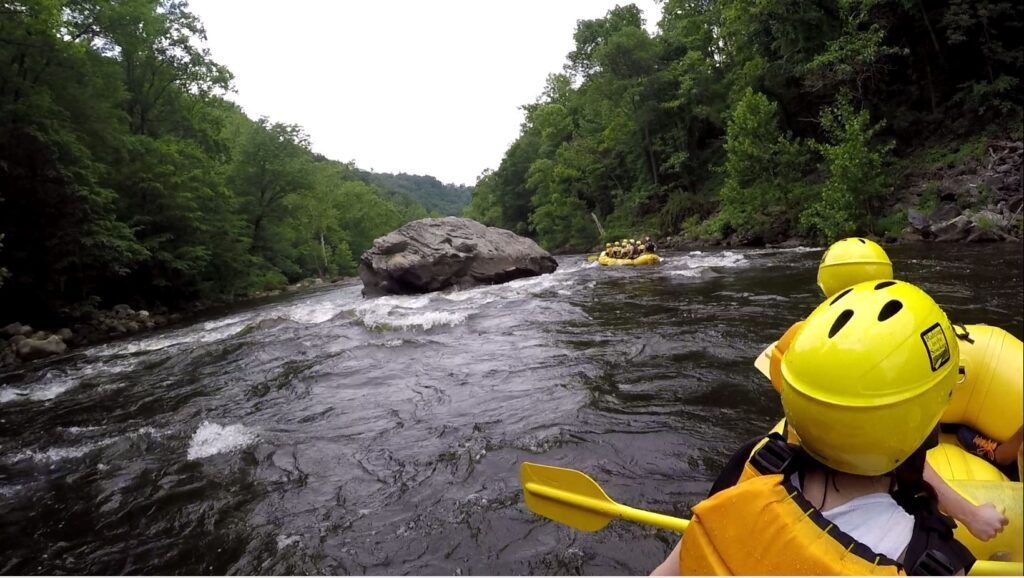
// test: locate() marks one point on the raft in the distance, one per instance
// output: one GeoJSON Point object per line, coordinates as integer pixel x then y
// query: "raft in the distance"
{"type": "Point", "coordinates": [645, 259]}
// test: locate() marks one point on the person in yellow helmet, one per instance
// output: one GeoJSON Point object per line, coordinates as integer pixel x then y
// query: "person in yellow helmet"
{"type": "Point", "coordinates": [854, 260]}
{"type": "Point", "coordinates": [864, 384]}
{"type": "Point", "coordinates": [850, 261]}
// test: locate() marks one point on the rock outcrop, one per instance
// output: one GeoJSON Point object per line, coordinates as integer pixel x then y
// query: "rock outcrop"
{"type": "Point", "coordinates": [975, 200]}
{"type": "Point", "coordinates": [433, 254]}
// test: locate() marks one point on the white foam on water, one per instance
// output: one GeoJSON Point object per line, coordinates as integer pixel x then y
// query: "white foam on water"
{"type": "Point", "coordinates": [314, 312]}
{"type": "Point", "coordinates": [197, 334]}
{"type": "Point", "coordinates": [285, 541]}
{"type": "Point", "coordinates": [685, 273]}
{"type": "Point", "coordinates": [56, 381]}
{"type": "Point", "coordinates": [212, 439]}
{"type": "Point", "coordinates": [404, 313]}
{"type": "Point", "coordinates": [700, 260]}
{"type": "Point", "coordinates": [61, 453]}
{"type": "Point", "coordinates": [81, 430]}
{"type": "Point", "coordinates": [41, 392]}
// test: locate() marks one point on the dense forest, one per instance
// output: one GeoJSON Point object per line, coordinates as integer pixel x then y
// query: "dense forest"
{"type": "Point", "coordinates": [432, 194]}
{"type": "Point", "coordinates": [125, 175]}
{"type": "Point", "coordinates": [756, 121]}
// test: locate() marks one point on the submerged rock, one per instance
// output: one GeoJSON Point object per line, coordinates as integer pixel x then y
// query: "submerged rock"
{"type": "Point", "coordinates": [433, 254]}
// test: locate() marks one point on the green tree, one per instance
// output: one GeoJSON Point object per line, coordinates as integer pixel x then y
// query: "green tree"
{"type": "Point", "coordinates": [763, 189]}
{"type": "Point", "coordinates": [856, 184]}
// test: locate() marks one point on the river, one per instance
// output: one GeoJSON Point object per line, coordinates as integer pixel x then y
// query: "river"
{"type": "Point", "coordinates": [322, 433]}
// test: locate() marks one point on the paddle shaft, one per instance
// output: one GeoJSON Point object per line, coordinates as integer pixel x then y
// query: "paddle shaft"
{"type": "Point", "coordinates": [610, 509]}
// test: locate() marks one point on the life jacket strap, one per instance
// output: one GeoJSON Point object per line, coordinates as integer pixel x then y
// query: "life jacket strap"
{"type": "Point", "coordinates": [933, 563]}
{"type": "Point", "coordinates": [774, 457]}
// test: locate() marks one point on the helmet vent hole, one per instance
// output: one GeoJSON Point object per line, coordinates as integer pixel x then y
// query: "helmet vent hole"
{"type": "Point", "coordinates": [840, 322]}
{"type": "Point", "coordinates": [889, 309]}
{"type": "Point", "coordinates": [884, 284]}
{"type": "Point", "coordinates": [862, 241]}
{"type": "Point", "coordinates": [840, 296]}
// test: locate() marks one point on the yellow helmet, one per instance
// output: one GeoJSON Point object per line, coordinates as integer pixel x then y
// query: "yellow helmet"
{"type": "Point", "coordinates": [616, 243]}
{"type": "Point", "coordinates": [607, 245]}
{"type": "Point", "coordinates": [850, 261]}
{"type": "Point", "coordinates": [868, 376]}
{"type": "Point", "coordinates": [633, 241]}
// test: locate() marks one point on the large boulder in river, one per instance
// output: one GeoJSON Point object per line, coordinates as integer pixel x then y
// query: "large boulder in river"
{"type": "Point", "coordinates": [432, 254]}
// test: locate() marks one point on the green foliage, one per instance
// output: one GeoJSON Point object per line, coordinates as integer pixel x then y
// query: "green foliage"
{"type": "Point", "coordinates": [434, 196]}
{"type": "Point", "coordinates": [715, 114]}
{"type": "Point", "coordinates": [892, 224]}
{"type": "Point", "coordinates": [930, 198]}
{"type": "Point", "coordinates": [127, 178]}
{"type": "Point", "coordinates": [985, 224]}
{"type": "Point", "coordinates": [949, 156]}
{"type": "Point", "coordinates": [763, 190]}
{"type": "Point", "coordinates": [856, 183]}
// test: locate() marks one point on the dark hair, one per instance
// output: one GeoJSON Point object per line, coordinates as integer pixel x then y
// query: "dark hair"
{"type": "Point", "coordinates": [909, 487]}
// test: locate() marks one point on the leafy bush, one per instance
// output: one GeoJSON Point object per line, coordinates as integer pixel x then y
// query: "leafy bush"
{"type": "Point", "coordinates": [765, 171]}
{"type": "Point", "coordinates": [856, 179]}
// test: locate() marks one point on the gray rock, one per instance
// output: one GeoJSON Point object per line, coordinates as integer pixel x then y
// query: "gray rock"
{"type": "Point", "coordinates": [911, 234]}
{"type": "Point", "coordinates": [16, 329]}
{"type": "Point", "coordinates": [142, 314]}
{"type": "Point", "coordinates": [14, 341]}
{"type": "Point", "coordinates": [917, 219]}
{"type": "Point", "coordinates": [985, 236]}
{"type": "Point", "coordinates": [944, 212]}
{"type": "Point", "coordinates": [37, 348]}
{"type": "Point", "coordinates": [122, 310]}
{"type": "Point", "coordinates": [953, 230]}
{"type": "Point", "coordinates": [432, 254]}
{"type": "Point", "coordinates": [65, 334]}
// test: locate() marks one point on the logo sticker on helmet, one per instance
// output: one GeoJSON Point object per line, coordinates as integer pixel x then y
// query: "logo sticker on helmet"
{"type": "Point", "coordinates": [934, 339]}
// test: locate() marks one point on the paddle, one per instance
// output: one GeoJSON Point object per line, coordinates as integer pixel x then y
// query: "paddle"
{"type": "Point", "coordinates": [570, 497]}
{"type": "Point", "coordinates": [763, 361]}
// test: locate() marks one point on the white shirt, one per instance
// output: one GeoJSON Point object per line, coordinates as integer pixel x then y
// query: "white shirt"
{"type": "Point", "coordinates": [875, 520]}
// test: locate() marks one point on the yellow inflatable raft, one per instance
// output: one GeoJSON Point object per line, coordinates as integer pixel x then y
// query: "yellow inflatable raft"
{"type": "Point", "coordinates": [645, 259]}
{"type": "Point", "coordinates": [990, 399]}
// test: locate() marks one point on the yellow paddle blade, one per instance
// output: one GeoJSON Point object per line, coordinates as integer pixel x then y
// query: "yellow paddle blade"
{"type": "Point", "coordinates": [570, 497]}
{"type": "Point", "coordinates": [763, 361]}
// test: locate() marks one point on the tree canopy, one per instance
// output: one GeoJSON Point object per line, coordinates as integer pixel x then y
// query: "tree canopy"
{"type": "Point", "coordinates": [757, 120]}
{"type": "Point", "coordinates": [125, 175]}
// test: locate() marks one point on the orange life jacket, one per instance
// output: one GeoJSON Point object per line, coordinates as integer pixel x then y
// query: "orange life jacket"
{"type": "Point", "coordinates": [763, 525]}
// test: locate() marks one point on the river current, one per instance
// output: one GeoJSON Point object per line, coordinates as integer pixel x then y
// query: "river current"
{"type": "Point", "coordinates": [323, 433]}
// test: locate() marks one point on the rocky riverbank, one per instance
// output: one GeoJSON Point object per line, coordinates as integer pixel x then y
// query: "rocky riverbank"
{"type": "Point", "coordinates": [971, 192]}
{"type": "Point", "coordinates": [85, 325]}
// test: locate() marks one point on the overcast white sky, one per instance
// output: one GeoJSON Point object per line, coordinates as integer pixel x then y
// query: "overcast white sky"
{"type": "Point", "coordinates": [430, 87]}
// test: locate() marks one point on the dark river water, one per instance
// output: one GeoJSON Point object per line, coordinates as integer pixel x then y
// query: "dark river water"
{"type": "Point", "coordinates": [328, 434]}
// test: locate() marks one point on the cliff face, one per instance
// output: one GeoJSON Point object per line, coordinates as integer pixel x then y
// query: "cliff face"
{"type": "Point", "coordinates": [973, 194]}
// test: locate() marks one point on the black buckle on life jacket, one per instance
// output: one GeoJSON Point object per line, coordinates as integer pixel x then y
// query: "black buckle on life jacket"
{"type": "Point", "coordinates": [774, 457]}
{"type": "Point", "coordinates": [933, 563]}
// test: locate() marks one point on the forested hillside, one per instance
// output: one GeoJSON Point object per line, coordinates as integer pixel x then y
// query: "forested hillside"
{"type": "Point", "coordinates": [757, 121]}
{"type": "Point", "coordinates": [126, 177]}
{"type": "Point", "coordinates": [432, 194]}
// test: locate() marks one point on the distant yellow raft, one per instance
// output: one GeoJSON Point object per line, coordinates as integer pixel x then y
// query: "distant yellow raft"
{"type": "Point", "coordinates": [645, 259]}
